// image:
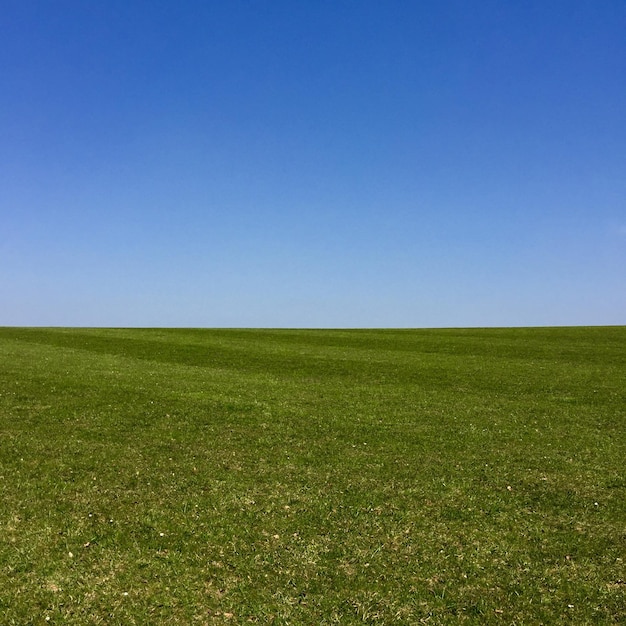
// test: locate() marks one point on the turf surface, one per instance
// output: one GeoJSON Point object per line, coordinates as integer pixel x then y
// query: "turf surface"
{"type": "Point", "coordinates": [153, 476]}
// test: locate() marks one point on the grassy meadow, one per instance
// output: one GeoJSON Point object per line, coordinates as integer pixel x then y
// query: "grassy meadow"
{"type": "Point", "coordinates": [162, 476]}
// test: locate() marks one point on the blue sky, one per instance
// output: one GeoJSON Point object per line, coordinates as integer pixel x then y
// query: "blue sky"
{"type": "Point", "coordinates": [312, 164]}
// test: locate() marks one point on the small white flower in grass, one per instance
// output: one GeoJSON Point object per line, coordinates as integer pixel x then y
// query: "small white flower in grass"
{"type": "Point", "coordinates": [161, 534]}
{"type": "Point", "coordinates": [125, 593]}
{"type": "Point", "coordinates": [70, 554]}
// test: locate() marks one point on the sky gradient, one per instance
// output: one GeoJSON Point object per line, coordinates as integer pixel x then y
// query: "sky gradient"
{"type": "Point", "coordinates": [312, 163]}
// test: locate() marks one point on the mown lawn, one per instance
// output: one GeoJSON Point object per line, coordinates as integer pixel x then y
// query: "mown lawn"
{"type": "Point", "coordinates": [161, 476]}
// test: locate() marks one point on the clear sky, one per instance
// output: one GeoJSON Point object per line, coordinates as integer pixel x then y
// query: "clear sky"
{"type": "Point", "coordinates": [344, 163]}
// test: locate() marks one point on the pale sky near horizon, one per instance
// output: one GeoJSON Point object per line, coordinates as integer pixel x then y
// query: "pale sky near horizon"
{"type": "Point", "coordinates": [312, 163]}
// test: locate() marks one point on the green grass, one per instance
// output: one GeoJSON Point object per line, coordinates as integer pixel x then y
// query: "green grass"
{"type": "Point", "coordinates": [312, 477]}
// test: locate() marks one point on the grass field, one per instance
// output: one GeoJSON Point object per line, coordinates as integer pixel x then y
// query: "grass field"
{"type": "Point", "coordinates": [312, 477]}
